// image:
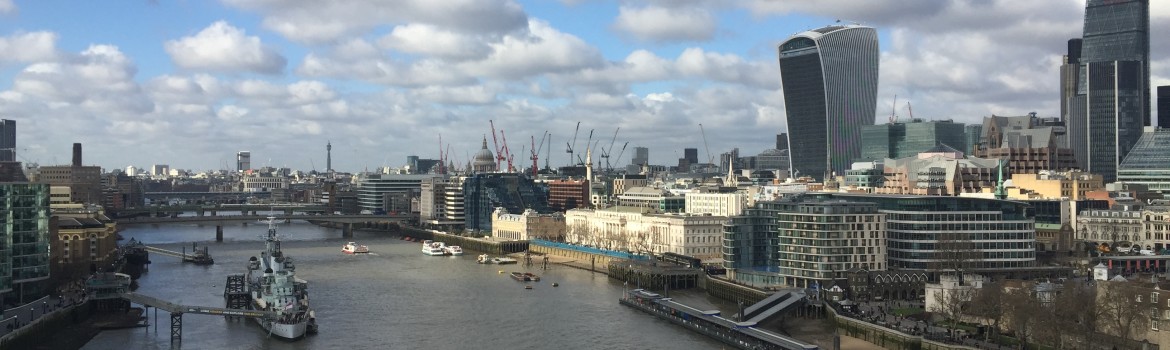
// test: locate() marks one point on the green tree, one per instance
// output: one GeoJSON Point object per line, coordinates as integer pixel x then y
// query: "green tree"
{"type": "Point", "coordinates": [989, 303]}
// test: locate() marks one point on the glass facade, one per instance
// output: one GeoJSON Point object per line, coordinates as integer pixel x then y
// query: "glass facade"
{"type": "Point", "coordinates": [829, 78]}
{"type": "Point", "coordinates": [1113, 84]}
{"type": "Point", "coordinates": [24, 254]}
{"type": "Point", "coordinates": [1149, 162]}
{"type": "Point", "coordinates": [483, 193]}
{"type": "Point", "coordinates": [900, 140]}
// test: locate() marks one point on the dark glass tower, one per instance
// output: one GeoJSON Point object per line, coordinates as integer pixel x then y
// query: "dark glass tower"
{"type": "Point", "coordinates": [829, 78]}
{"type": "Point", "coordinates": [1113, 84]}
{"type": "Point", "coordinates": [1164, 106]}
{"type": "Point", "coordinates": [7, 140]}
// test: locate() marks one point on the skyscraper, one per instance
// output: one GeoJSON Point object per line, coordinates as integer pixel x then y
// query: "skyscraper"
{"type": "Point", "coordinates": [1163, 106]}
{"type": "Point", "coordinates": [7, 140]}
{"type": "Point", "coordinates": [829, 77]}
{"type": "Point", "coordinates": [243, 160]}
{"type": "Point", "coordinates": [1113, 84]}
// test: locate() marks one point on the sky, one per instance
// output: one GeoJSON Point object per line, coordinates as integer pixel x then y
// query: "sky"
{"type": "Point", "coordinates": [189, 83]}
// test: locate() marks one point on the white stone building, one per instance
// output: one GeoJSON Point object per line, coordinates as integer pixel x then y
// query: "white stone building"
{"type": "Point", "coordinates": [721, 204]}
{"type": "Point", "coordinates": [629, 229]}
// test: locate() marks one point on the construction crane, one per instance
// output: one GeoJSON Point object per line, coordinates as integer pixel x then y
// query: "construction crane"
{"type": "Point", "coordinates": [496, 145]}
{"type": "Point", "coordinates": [588, 145]}
{"type": "Point", "coordinates": [536, 153]}
{"type": "Point", "coordinates": [894, 110]}
{"type": "Point", "coordinates": [442, 162]}
{"type": "Point", "coordinates": [570, 147]}
{"type": "Point", "coordinates": [605, 151]}
{"type": "Point", "coordinates": [505, 153]}
{"type": "Point", "coordinates": [910, 110]}
{"type": "Point", "coordinates": [705, 147]}
{"type": "Point", "coordinates": [619, 157]}
{"type": "Point", "coordinates": [547, 151]}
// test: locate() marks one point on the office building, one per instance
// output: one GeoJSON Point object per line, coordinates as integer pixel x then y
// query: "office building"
{"type": "Point", "coordinates": [691, 155]}
{"type": "Point", "coordinates": [1164, 106]}
{"type": "Point", "coordinates": [1029, 144]}
{"type": "Point", "coordinates": [528, 225]}
{"type": "Point", "coordinates": [84, 182]}
{"type": "Point", "coordinates": [568, 194]}
{"type": "Point", "coordinates": [718, 204]}
{"type": "Point", "coordinates": [243, 161]}
{"type": "Point", "coordinates": [372, 189]}
{"type": "Point", "coordinates": [7, 140]}
{"type": "Point", "coordinates": [484, 192]}
{"type": "Point", "coordinates": [623, 229]}
{"type": "Point", "coordinates": [782, 141]}
{"type": "Point", "coordinates": [26, 236]}
{"type": "Point", "coordinates": [1113, 84]}
{"type": "Point", "coordinates": [942, 171]}
{"type": "Point", "coordinates": [1073, 185]}
{"type": "Point", "coordinates": [829, 78]}
{"type": "Point", "coordinates": [898, 140]}
{"type": "Point", "coordinates": [972, 133]}
{"type": "Point", "coordinates": [1149, 161]}
{"type": "Point", "coordinates": [1070, 68]}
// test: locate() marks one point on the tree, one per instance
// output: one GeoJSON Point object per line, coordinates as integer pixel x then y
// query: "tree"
{"type": "Point", "coordinates": [1024, 313]}
{"type": "Point", "coordinates": [989, 302]}
{"type": "Point", "coordinates": [1082, 319]}
{"type": "Point", "coordinates": [955, 252]}
{"type": "Point", "coordinates": [952, 301]}
{"type": "Point", "coordinates": [1122, 311]}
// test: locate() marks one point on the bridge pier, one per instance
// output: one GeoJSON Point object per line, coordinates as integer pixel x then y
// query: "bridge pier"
{"type": "Point", "coordinates": [219, 233]}
{"type": "Point", "coordinates": [213, 213]}
{"type": "Point", "coordinates": [199, 212]}
{"type": "Point", "coordinates": [176, 327]}
{"type": "Point", "coordinates": [347, 230]}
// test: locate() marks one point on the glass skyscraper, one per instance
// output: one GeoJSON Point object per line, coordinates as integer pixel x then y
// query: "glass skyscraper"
{"type": "Point", "coordinates": [900, 140]}
{"type": "Point", "coordinates": [829, 77]}
{"type": "Point", "coordinates": [1112, 101]}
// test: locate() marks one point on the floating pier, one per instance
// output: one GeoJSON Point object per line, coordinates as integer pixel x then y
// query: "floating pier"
{"type": "Point", "coordinates": [742, 335]}
{"type": "Point", "coordinates": [198, 256]}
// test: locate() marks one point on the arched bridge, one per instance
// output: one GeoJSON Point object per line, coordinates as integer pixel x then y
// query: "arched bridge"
{"type": "Point", "coordinates": [345, 222]}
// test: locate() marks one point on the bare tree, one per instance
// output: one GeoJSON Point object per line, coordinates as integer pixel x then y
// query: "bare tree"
{"type": "Point", "coordinates": [1120, 308]}
{"type": "Point", "coordinates": [1078, 313]}
{"type": "Point", "coordinates": [952, 302]}
{"type": "Point", "coordinates": [955, 252]}
{"type": "Point", "coordinates": [989, 302]}
{"type": "Point", "coordinates": [1024, 318]}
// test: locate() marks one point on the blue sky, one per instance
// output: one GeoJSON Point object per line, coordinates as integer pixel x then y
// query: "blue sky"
{"type": "Point", "coordinates": [189, 83]}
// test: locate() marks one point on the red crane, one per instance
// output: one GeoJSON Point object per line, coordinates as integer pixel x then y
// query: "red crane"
{"type": "Point", "coordinates": [442, 158]}
{"type": "Point", "coordinates": [496, 145]}
{"type": "Point", "coordinates": [506, 153]}
{"type": "Point", "coordinates": [536, 152]}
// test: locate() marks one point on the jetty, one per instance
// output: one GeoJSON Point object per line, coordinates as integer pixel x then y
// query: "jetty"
{"type": "Point", "coordinates": [198, 256]}
{"type": "Point", "coordinates": [739, 334]}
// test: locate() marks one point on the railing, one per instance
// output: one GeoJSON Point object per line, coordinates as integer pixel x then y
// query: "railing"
{"type": "Point", "coordinates": [590, 250]}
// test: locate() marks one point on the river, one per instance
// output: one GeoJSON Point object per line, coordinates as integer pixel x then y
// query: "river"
{"type": "Point", "coordinates": [394, 298]}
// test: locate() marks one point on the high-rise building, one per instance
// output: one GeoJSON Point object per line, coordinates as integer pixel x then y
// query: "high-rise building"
{"type": "Point", "coordinates": [1163, 106]}
{"type": "Point", "coordinates": [1113, 84]}
{"type": "Point", "coordinates": [26, 264]}
{"type": "Point", "coordinates": [7, 140]}
{"type": "Point", "coordinates": [829, 77]}
{"type": "Point", "coordinates": [691, 155]}
{"type": "Point", "coordinates": [782, 141]}
{"type": "Point", "coordinates": [1069, 70]}
{"type": "Point", "coordinates": [972, 133]}
{"type": "Point", "coordinates": [243, 161]}
{"type": "Point", "coordinates": [898, 140]}
{"type": "Point", "coordinates": [1149, 163]}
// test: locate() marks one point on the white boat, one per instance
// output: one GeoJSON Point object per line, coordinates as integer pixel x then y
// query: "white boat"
{"type": "Point", "coordinates": [485, 259]}
{"type": "Point", "coordinates": [354, 248]}
{"type": "Point", "coordinates": [453, 250]}
{"type": "Point", "coordinates": [272, 282]}
{"type": "Point", "coordinates": [433, 248]}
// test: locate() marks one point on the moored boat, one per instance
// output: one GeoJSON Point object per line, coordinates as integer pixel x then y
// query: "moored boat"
{"type": "Point", "coordinates": [433, 248]}
{"type": "Point", "coordinates": [485, 259]}
{"type": "Point", "coordinates": [273, 285]}
{"type": "Point", "coordinates": [519, 276]}
{"type": "Point", "coordinates": [453, 250]}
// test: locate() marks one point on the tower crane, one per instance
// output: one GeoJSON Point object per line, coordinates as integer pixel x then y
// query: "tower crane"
{"type": "Point", "coordinates": [588, 145]}
{"type": "Point", "coordinates": [536, 153]}
{"type": "Point", "coordinates": [442, 161]}
{"type": "Point", "coordinates": [705, 147]}
{"type": "Point", "coordinates": [496, 145]}
{"type": "Point", "coordinates": [894, 110]}
{"type": "Point", "coordinates": [619, 157]}
{"type": "Point", "coordinates": [505, 153]}
{"type": "Point", "coordinates": [606, 151]}
{"type": "Point", "coordinates": [569, 146]}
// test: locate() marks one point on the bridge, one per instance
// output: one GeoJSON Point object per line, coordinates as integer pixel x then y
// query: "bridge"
{"type": "Point", "coordinates": [347, 221]}
{"type": "Point", "coordinates": [214, 209]}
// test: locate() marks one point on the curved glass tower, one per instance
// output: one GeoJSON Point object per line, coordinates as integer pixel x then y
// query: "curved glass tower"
{"type": "Point", "coordinates": [829, 77]}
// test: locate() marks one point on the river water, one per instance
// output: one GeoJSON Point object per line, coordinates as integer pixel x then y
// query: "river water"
{"type": "Point", "coordinates": [394, 298]}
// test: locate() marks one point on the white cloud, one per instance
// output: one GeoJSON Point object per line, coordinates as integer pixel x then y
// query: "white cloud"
{"type": "Point", "coordinates": [27, 47]}
{"type": "Point", "coordinates": [318, 22]}
{"type": "Point", "coordinates": [223, 48]}
{"type": "Point", "coordinates": [461, 95]}
{"type": "Point", "coordinates": [7, 7]}
{"type": "Point", "coordinates": [543, 49]}
{"type": "Point", "coordinates": [654, 23]}
{"type": "Point", "coordinates": [432, 41]}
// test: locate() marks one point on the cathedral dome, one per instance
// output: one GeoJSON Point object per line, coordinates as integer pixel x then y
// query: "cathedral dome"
{"type": "Point", "coordinates": [485, 161]}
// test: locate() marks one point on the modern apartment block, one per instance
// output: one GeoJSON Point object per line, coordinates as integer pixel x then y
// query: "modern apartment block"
{"type": "Point", "coordinates": [24, 259]}
{"type": "Point", "coordinates": [829, 77]}
{"type": "Point", "coordinates": [819, 238]}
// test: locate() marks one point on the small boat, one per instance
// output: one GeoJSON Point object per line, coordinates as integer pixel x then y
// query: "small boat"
{"type": "Point", "coordinates": [531, 277]}
{"type": "Point", "coordinates": [528, 286]}
{"type": "Point", "coordinates": [199, 255]}
{"type": "Point", "coordinates": [485, 259]}
{"type": "Point", "coordinates": [354, 248]}
{"type": "Point", "coordinates": [519, 276]}
{"type": "Point", "coordinates": [453, 250]}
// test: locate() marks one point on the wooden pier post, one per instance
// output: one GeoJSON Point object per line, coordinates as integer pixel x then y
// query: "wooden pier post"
{"type": "Point", "coordinates": [219, 233]}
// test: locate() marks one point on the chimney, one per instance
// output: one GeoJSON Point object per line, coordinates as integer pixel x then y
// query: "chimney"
{"type": "Point", "coordinates": [76, 154]}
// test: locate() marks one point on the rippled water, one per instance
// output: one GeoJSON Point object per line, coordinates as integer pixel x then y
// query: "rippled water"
{"type": "Point", "coordinates": [395, 298]}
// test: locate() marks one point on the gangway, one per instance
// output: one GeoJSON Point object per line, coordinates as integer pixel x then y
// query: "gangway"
{"type": "Point", "coordinates": [177, 311]}
{"type": "Point", "coordinates": [198, 254]}
{"type": "Point", "coordinates": [772, 305]}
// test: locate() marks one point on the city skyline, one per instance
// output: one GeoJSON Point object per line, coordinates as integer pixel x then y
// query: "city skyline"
{"type": "Point", "coordinates": [191, 83]}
